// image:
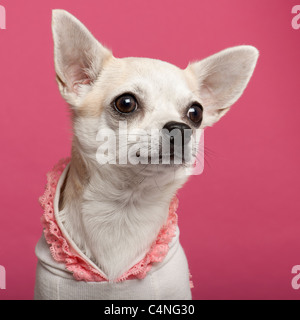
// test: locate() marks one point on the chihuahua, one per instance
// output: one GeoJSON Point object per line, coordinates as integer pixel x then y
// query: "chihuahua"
{"type": "Point", "coordinates": [110, 227]}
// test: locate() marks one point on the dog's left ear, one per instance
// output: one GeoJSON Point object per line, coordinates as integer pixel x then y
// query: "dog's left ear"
{"type": "Point", "coordinates": [78, 56]}
{"type": "Point", "coordinates": [222, 78]}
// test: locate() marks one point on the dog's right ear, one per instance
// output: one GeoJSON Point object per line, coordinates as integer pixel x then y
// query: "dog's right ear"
{"type": "Point", "coordinates": [78, 56]}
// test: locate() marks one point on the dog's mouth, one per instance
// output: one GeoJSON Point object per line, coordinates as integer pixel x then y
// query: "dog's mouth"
{"type": "Point", "coordinates": [168, 158]}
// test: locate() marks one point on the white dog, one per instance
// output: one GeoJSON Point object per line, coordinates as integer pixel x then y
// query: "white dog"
{"type": "Point", "coordinates": [110, 229]}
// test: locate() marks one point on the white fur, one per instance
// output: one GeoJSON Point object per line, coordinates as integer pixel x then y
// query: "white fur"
{"type": "Point", "coordinates": [122, 208]}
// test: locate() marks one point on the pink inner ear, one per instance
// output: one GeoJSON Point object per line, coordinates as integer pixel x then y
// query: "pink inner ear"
{"type": "Point", "coordinates": [86, 81]}
{"type": "Point", "coordinates": [76, 76]}
{"type": "Point", "coordinates": [77, 83]}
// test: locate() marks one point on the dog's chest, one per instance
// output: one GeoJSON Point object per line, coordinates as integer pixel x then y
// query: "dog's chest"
{"type": "Point", "coordinates": [69, 262]}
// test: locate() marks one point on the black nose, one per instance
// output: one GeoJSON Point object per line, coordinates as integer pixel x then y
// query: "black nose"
{"type": "Point", "coordinates": [177, 132]}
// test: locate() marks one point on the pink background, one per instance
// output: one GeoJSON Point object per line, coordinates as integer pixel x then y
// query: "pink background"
{"type": "Point", "coordinates": [240, 219]}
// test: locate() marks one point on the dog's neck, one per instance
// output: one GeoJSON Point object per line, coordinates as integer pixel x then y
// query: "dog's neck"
{"type": "Point", "coordinates": [115, 213]}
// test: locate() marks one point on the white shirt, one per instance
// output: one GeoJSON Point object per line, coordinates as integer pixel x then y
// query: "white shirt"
{"type": "Point", "coordinates": [167, 280]}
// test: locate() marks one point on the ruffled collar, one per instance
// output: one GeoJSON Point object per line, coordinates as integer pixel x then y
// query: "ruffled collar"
{"type": "Point", "coordinates": [64, 250]}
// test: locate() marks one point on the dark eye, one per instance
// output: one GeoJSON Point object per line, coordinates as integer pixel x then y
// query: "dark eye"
{"type": "Point", "coordinates": [126, 103]}
{"type": "Point", "coordinates": [195, 113]}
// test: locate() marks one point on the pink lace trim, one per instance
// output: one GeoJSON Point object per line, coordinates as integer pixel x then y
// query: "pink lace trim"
{"type": "Point", "coordinates": [62, 252]}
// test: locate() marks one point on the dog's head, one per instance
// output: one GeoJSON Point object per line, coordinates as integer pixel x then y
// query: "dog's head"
{"type": "Point", "coordinates": [142, 96]}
